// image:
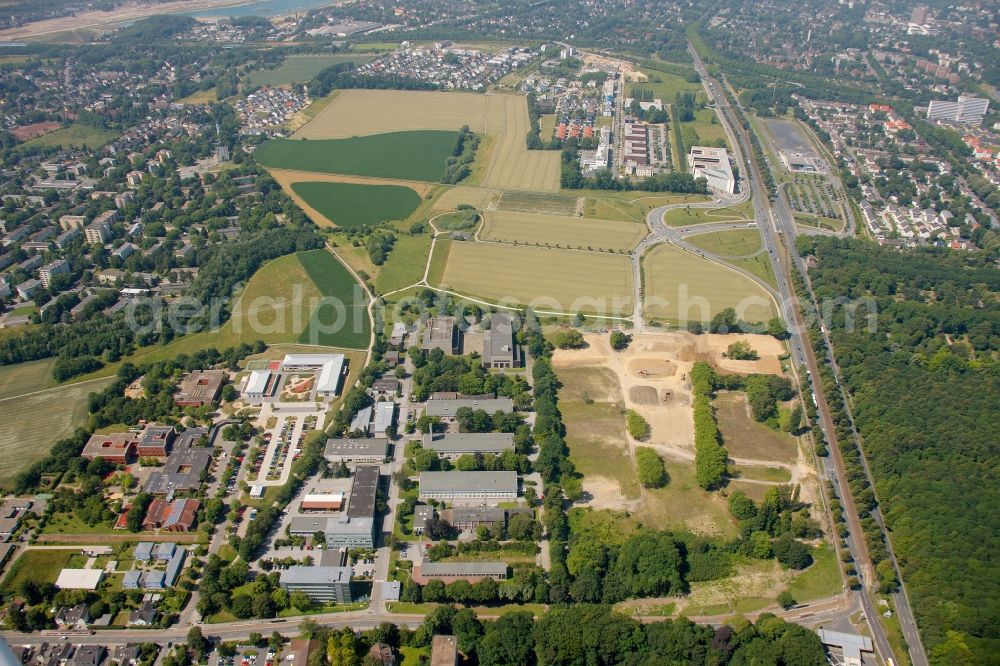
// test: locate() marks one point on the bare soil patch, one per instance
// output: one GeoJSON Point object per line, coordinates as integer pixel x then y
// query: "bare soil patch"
{"type": "Point", "coordinates": [644, 395]}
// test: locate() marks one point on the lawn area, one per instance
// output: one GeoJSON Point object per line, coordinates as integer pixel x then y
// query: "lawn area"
{"type": "Point", "coordinates": [821, 580]}
{"type": "Point", "coordinates": [760, 473]}
{"type": "Point", "coordinates": [406, 262]}
{"type": "Point", "coordinates": [682, 217]}
{"type": "Point", "coordinates": [199, 97]}
{"type": "Point", "coordinates": [727, 244]}
{"type": "Point", "coordinates": [62, 523]}
{"type": "Point", "coordinates": [413, 155]}
{"type": "Point", "coordinates": [76, 135]}
{"type": "Point", "coordinates": [683, 505]}
{"type": "Point", "coordinates": [561, 231]}
{"type": "Point", "coordinates": [27, 377]}
{"type": "Point", "coordinates": [595, 429]}
{"type": "Point", "coordinates": [663, 85]}
{"type": "Point", "coordinates": [439, 262]}
{"type": "Point", "coordinates": [353, 204]}
{"type": "Point", "coordinates": [301, 69]}
{"type": "Point", "coordinates": [681, 287]}
{"type": "Point", "coordinates": [414, 656]}
{"type": "Point", "coordinates": [547, 123]}
{"type": "Point", "coordinates": [40, 566]}
{"type": "Point", "coordinates": [342, 320]}
{"type": "Point", "coordinates": [745, 438]}
{"type": "Point", "coordinates": [33, 423]}
{"type": "Point", "coordinates": [546, 279]}
{"type": "Point", "coordinates": [706, 125]}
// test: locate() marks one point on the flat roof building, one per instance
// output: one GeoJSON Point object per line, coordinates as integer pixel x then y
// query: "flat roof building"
{"type": "Point", "coordinates": [850, 645]}
{"type": "Point", "coordinates": [256, 387]}
{"type": "Point", "coordinates": [181, 472]}
{"type": "Point", "coordinates": [440, 333]}
{"type": "Point", "coordinates": [966, 110]}
{"type": "Point", "coordinates": [499, 350]}
{"type": "Point", "coordinates": [385, 417]}
{"type": "Point", "coordinates": [321, 584]}
{"type": "Point", "coordinates": [360, 449]}
{"type": "Point", "coordinates": [453, 445]}
{"type": "Point", "coordinates": [488, 486]}
{"type": "Point", "coordinates": [449, 571]}
{"type": "Point", "coordinates": [156, 441]}
{"type": "Point", "coordinates": [79, 579]}
{"type": "Point", "coordinates": [364, 488]}
{"type": "Point", "coordinates": [117, 447]}
{"type": "Point", "coordinates": [200, 388]}
{"type": "Point", "coordinates": [446, 409]}
{"type": "Point", "coordinates": [322, 502]}
{"type": "Point", "coordinates": [444, 651]}
{"type": "Point", "coordinates": [713, 165]}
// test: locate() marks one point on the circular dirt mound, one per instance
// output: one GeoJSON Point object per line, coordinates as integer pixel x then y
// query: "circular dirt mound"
{"type": "Point", "coordinates": [651, 368]}
{"type": "Point", "coordinates": [643, 395]}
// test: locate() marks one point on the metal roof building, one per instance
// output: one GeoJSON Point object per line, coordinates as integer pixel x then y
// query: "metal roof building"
{"type": "Point", "coordinates": [468, 485]}
{"type": "Point", "coordinates": [356, 449]}
{"type": "Point", "coordinates": [446, 408]}
{"type": "Point", "coordinates": [456, 444]}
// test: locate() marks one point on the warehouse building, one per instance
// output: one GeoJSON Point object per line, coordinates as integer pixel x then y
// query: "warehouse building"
{"type": "Point", "coordinates": [359, 449]}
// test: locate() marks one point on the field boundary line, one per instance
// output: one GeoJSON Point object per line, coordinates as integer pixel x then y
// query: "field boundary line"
{"type": "Point", "coordinates": [55, 388]}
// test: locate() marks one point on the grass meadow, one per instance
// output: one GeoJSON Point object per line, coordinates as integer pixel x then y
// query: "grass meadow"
{"type": "Point", "coordinates": [301, 69]}
{"type": "Point", "coordinates": [413, 155]}
{"type": "Point", "coordinates": [553, 230]}
{"type": "Point", "coordinates": [334, 281]}
{"type": "Point", "coordinates": [76, 135]}
{"type": "Point", "coordinates": [353, 204]}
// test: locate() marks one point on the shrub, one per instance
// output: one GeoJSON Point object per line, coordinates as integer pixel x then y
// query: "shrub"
{"type": "Point", "coordinates": [652, 474]}
{"type": "Point", "coordinates": [637, 426]}
{"type": "Point", "coordinates": [742, 351]}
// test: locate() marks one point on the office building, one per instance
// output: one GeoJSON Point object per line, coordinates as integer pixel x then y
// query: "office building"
{"type": "Point", "coordinates": [455, 485]}
{"type": "Point", "coordinates": [712, 164]}
{"type": "Point", "coordinates": [966, 110]}
{"type": "Point", "coordinates": [323, 585]}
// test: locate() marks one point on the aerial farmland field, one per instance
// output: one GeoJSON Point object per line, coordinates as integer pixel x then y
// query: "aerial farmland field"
{"type": "Point", "coordinates": [680, 286]}
{"type": "Point", "coordinates": [512, 165]}
{"type": "Point", "coordinates": [561, 231]}
{"type": "Point", "coordinates": [352, 204]}
{"type": "Point", "coordinates": [546, 279]}
{"type": "Point", "coordinates": [366, 112]}
{"type": "Point", "coordinates": [413, 155]}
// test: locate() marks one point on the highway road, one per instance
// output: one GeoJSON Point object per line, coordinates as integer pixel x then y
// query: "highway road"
{"type": "Point", "coordinates": [777, 224]}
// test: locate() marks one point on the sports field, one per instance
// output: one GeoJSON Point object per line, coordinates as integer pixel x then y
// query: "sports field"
{"type": "Point", "coordinates": [680, 286]}
{"type": "Point", "coordinates": [365, 112]}
{"type": "Point", "coordinates": [411, 155]}
{"type": "Point", "coordinates": [553, 280]}
{"type": "Point", "coordinates": [301, 69]}
{"type": "Point", "coordinates": [33, 423]}
{"type": "Point", "coordinates": [351, 204]}
{"type": "Point", "coordinates": [559, 231]}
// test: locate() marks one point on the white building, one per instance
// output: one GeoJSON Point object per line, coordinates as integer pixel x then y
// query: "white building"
{"type": "Point", "coordinates": [484, 486]}
{"type": "Point", "coordinates": [256, 386]}
{"type": "Point", "coordinates": [329, 366]}
{"type": "Point", "coordinates": [966, 110]}
{"type": "Point", "coordinates": [79, 579]}
{"type": "Point", "coordinates": [713, 165]}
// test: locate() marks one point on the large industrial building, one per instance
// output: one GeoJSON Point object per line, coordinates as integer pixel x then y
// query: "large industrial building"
{"type": "Point", "coordinates": [712, 164]}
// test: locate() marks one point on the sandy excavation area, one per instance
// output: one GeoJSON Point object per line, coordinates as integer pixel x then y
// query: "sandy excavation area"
{"type": "Point", "coordinates": [654, 378]}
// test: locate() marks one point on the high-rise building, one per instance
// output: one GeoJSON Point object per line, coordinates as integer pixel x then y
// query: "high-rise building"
{"type": "Point", "coordinates": [967, 110]}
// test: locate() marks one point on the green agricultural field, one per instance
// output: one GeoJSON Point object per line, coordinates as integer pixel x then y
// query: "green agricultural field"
{"type": "Point", "coordinates": [413, 155]}
{"type": "Point", "coordinates": [406, 262]}
{"type": "Point", "coordinates": [76, 135]}
{"type": "Point", "coordinates": [301, 69]}
{"type": "Point", "coordinates": [348, 308]}
{"type": "Point", "coordinates": [353, 204]}
{"type": "Point", "coordinates": [680, 287]}
{"type": "Point", "coordinates": [33, 423]}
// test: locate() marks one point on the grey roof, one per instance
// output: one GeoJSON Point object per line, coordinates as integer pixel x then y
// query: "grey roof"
{"type": "Point", "coordinates": [165, 550]}
{"type": "Point", "coordinates": [429, 569]}
{"type": "Point", "coordinates": [851, 644]}
{"type": "Point", "coordinates": [449, 407]}
{"type": "Point", "coordinates": [340, 524]}
{"type": "Point", "coordinates": [362, 419]}
{"type": "Point", "coordinates": [385, 414]}
{"type": "Point", "coordinates": [476, 442]}
{"type": "Point", "coordinates": [193, 461]}
{"type": "Point", "coordinates": [390, 590]}
{"type": "Point", "coordinates": [316, 575]}
{"type": "Point", "coordinates": [132, 577]}
{"type": "Point", "coordinates": [357, 446]}
{"type": "Point", "coordinates": [174, 567]}
{"type": "Point", "coordinates": [460, 514]}
{"type": "Point", "coordinates": [144, 548]}
{"type": "Point", "coordinates": [463, 481]}
{"type": "Point", "coordinates": [439, 330]}
{"type": "Point", "coordinates": [307, 524]}
{"type": "Point", "coordinates": [363, 491]}
{"type": "Point", "coordinates": [498, 340]}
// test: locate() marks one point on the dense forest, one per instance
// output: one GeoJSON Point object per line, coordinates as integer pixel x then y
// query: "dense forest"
{"type": "Point", "coordinates": [925, 388]}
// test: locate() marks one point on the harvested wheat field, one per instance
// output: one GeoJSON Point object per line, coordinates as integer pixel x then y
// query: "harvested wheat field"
{"type": "Point", "coordinates": [512, 166]}
{"type": "Point", "coordinates": [561, 231]}
{"type": "Point", "coordinates": [364, 112]}
{"type": "Point", "coordinates": [477, 197]}
{"type": "Point", "coordinates": [548, 280]}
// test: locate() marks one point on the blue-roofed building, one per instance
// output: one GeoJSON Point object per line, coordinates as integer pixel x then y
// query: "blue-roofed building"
{"type": "Point", "coordinates": [152, 580]}
{"type": "Point", "coordinates": [144, 551]}
{"type": "Point", "coordinates": [131, 580]}
{"type": "Point", "coordinates": [174, 567]}
{"type": "Point", "coordinates": [165, 551]}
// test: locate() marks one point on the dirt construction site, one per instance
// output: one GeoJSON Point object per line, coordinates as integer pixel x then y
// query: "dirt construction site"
{"type": "Point", "coordinates": [653, 377]}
